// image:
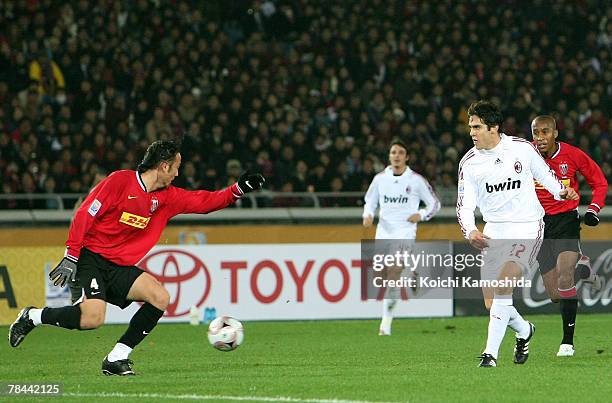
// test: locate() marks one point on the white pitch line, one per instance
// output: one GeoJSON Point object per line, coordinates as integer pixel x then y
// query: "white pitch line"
{"type": "Point", "coordinates": [212, 397]}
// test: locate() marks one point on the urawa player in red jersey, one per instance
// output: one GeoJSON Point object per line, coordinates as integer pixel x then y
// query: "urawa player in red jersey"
{"type": "Point", "coordinates": [560, 258]}
{"type": "Point", "coordinates": [117, 224]}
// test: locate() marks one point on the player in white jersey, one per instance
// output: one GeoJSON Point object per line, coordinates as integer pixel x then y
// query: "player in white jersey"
{"type": "Point", "coordinates": [398, 191]}
{"type": "Point", "coordinates": [497, 176]}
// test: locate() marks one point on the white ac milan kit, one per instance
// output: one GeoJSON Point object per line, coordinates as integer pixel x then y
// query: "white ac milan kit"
{"type": "Point", "coordinates": [500, 182]}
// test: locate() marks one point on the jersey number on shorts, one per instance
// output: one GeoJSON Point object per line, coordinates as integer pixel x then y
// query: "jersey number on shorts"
{"type": "Point", "coordinates": [94, 284]}
{"type": "Point", "coordinates": [517, 249]}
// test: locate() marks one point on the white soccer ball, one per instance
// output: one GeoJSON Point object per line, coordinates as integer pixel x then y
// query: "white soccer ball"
{"type": "Point", "coordinates": [225, 333]}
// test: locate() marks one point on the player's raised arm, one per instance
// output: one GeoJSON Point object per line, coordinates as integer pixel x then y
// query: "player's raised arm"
{"type": "Point", "coordinates": [371, 203]}
{"type": "Point", "coordinates": [428, 196]}
{"type": "Point", "coordinates": [203, 201]}
{"type": "Point", "coordinates": [598, 184]}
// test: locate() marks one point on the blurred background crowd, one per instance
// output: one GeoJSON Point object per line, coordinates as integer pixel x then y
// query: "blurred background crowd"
{"type": "Point", "coordinates": [309, 92]}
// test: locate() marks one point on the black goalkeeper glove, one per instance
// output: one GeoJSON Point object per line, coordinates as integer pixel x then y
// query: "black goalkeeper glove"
{"type": "Point", "coordinates": [249, 182]}
{"type": "Point", "coordinates": [66, 269]}
{"type": "Point", "coordinates": [591, 218]}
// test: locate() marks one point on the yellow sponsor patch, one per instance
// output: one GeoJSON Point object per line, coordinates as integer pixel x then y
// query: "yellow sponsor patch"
{"type": "Point", "coordinates": [134, 220]}
{"type": "Point", "coordinates": [538, 185]}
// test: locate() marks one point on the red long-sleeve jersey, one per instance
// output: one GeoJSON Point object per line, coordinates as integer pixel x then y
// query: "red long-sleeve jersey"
{"type": "Point", "coordinates": [566, 162]}
{"type": "Point", "coordinates": [121, 221]}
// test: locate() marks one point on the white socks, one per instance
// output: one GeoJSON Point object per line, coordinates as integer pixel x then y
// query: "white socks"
{"type": "Point", "coordinates": [385, 323]}
{"type": "Point", "coordinates": [120, 352]}
{"type": "Point", "coordinates": [498, 320]}
{"type": "Point", "coordinates": [387, 316]}
{"type": "Point", "coordinates": [504, 314]}
{"type": "Point", "coordinates": [518, 324]}
{"type": "Point", "coordinates": [35, 315]}
{"type": "Point", "coordinates": [388, 306]}
{"type": "Point", "coordinates": [391, 297]}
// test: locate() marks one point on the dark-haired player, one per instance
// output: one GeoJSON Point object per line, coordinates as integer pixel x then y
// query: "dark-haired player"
{"type": "Point", "coordinates": [115, 227]}
{"type": "Point", "coordinates": [497, 176]}
{"type": "Point", "coordinates": [561, 252]}
{"type": "Point", "coordinates": [398, 191]}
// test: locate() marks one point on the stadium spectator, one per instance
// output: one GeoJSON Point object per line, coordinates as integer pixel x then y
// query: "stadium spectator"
{"type": "Point", "coordinates": [48, 77]}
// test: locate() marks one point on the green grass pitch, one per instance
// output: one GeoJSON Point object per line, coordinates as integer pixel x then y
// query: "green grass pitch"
{"type": "Point", "coordinates": [425, 360]}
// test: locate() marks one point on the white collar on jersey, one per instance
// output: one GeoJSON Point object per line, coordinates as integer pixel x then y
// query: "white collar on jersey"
{"type": "Point", "coordinates": [497, 148]}
{"type": "Point", "coordinates": [140, 182]}
{"type": "Point", "coordinates": [389, 170]}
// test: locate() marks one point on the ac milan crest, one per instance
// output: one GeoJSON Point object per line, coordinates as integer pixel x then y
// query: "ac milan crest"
{"type": "Point", "coordinates": [518, 167]}
{"type": "Point", "coordinates": [154, 204]}
{"type": "Point", "coordinates": [563, 168]}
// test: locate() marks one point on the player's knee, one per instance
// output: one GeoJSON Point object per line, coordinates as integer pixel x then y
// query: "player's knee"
{"type": "Point", "coordinates": [92, 319]}
{"type": "Point", "coordinates": [510, 269]}
{"type": "Point", "coordinates": [160, 298]}
{"type": "Point", "coordinates": [553, 294]}
{"type": "Point", "coordinates": [566, 279]}
{"type": "Point", "coordinates": [93, 314]}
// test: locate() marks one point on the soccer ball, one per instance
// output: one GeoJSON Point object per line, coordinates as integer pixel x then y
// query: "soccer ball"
{"type": "Point", "coordinates": [225, 333]}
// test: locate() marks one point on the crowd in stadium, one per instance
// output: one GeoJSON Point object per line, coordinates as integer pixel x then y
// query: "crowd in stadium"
{"type": "Point", "coordinates": [308, 92]}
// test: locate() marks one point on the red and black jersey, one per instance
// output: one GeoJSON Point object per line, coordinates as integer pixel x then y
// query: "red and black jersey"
{"type": "Point", "coordinates": [121, 221]}
{"type": "Point", "coordinates": [566, 162]}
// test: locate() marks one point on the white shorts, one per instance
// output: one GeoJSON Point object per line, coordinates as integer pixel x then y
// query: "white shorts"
{"type": "Point", "coordinates": [393, 246]}
{"type": "Point", "coordinates": [511, 242]}
{"type": "Point", "coordinates": [387, 230]}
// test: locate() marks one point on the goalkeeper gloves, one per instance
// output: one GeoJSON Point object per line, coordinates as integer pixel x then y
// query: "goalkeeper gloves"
{"type": "Point", "coordinates": [591, 218]}
{"type": "Point", "coordinates": [66, 269]}
{"type": "Point", "coordinates": [249, 182]}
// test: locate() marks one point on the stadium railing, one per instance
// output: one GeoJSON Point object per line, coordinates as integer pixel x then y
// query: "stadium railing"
{"type": "Point", "coordinates": [270, 206]}
{"type": "Point", "coordinates": [65, 201]}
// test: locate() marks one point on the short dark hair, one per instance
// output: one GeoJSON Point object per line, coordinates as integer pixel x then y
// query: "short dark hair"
{"type": "Point", "coordinates": [547, 118]}
{"type": "Point", "coordinates": [158, 152]}
{"type": "Point", "coordinates": [398, 142]}
{"type": "Point", "coordinates": [488, 112]}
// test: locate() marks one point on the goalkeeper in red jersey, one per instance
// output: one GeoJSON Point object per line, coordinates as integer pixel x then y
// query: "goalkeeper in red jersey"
{"type": "Point", "coordinates": [560, 259]}
{"type": "Point", "coordinates": [115, 227]}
